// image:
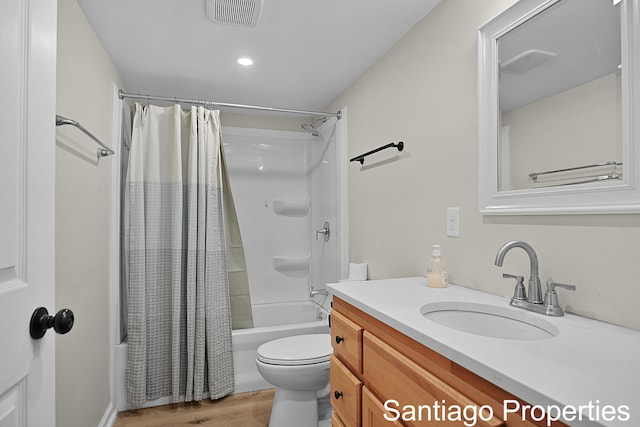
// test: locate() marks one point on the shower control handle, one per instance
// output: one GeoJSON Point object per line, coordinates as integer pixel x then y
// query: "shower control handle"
{"type": "Point", "coordinates": [324, 231]}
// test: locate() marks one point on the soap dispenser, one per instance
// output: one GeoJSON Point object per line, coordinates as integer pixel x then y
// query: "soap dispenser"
{"type": "Point", "coordinates": [437, 273]}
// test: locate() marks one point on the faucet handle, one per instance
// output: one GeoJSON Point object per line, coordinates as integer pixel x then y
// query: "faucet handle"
{"type": "Point", "coordinates": [551, 286]}
{"type": "Point", "coordinates": [519, 293]}
{"type": "Point", "coordinates": [551, 297]}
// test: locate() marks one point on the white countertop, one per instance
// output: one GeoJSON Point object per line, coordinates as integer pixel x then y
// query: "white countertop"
{"type": "Point", "coordinates": [587, 362]}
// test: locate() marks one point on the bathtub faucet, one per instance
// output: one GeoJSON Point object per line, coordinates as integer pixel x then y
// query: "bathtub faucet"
{"type": "Point", "coordinates": [315, 292]}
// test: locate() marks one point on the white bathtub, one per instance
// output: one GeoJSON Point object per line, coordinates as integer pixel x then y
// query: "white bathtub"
{"type": "Point", "coordinates": [271, 321]}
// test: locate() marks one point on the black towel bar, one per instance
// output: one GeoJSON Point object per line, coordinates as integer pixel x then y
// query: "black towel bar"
{"type": "Point", "coordinates": [360, 158]}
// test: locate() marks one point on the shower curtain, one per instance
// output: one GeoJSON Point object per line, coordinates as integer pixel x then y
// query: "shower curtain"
{"type": "Point", "coordinates": [184, 258]}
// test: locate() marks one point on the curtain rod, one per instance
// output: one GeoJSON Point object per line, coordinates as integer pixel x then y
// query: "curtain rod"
{"type": "Point", "coordinates": [123, 95]}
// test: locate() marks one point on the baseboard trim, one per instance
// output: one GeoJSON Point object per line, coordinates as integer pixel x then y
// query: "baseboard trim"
{"type": "Point", "coordinates": [109, 417]}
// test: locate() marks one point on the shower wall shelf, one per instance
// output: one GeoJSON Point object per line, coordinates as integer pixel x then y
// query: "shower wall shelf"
{"type": "Point", "coordinates": [292, 266]}
{"type": "Point", "coordinates": [104, 151]}
{"type": "Point", "coordinates": [294, 208]}
{"type": "Point", "coordinates": [360, 158]}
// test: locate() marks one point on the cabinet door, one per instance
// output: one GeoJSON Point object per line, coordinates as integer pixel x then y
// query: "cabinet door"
{"type": "Point", "coordinates": [336, 421]}
{"type": "Point", "coordinates": [346, 393]}
{"type": "Point", "coordinates": [373, 412]}
{"type": "Point", "coordinates": [346, 339]}
{"type": "Point", "coordinates": [394, 376]}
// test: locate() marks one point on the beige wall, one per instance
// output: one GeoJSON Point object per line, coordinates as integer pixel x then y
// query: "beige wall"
{"type": "Point", "coordinates": [579, 126]}
{"type": "Point", "coordinates": [84, 77]}
{"type": "Point", "coordinates": [424, 92]}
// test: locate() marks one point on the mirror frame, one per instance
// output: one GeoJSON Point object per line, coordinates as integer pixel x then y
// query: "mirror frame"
{"type": "Point", "coordinates": [598, 198]}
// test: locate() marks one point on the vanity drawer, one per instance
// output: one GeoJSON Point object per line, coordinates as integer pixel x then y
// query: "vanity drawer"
{"type": "Point", "coordinates": [346, 339]}
{"type": "Point", "coordinates": [392, 375]}
{"type": "Point", "coordinates": [346, 393]}
{"type": "Point", "coordinates": [373, 412]}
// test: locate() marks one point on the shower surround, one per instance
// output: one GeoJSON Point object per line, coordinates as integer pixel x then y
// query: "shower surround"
{"type": "Point", "coordinates": [285, 187]}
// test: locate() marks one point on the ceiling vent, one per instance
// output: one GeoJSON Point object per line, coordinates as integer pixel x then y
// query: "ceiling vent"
{"type": "Point", "coordinates": [242, 13]}
{"type": "Point", "coordinates": [527, 61]}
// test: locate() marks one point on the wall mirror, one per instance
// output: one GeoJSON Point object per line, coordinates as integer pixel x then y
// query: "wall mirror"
{"type": "Point", "coordinates": [559, 106]}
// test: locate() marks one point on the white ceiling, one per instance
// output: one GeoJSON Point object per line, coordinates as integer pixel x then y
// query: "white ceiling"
{"type": "Point", "coordinates": [305, 52]}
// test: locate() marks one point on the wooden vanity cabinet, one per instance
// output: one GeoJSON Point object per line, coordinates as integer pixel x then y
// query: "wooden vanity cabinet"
{"type": "Point", "coordinates": [373, 412]}
{"type": "Point", "coordinates": [373, 363]}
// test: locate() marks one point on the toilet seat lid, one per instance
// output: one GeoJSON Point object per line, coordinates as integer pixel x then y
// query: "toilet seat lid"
{"type": "Point", "coordinates": [296, 350]}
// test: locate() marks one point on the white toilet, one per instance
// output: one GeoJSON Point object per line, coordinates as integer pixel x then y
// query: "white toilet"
{"type": "Point", "coordinates": [298, 367]}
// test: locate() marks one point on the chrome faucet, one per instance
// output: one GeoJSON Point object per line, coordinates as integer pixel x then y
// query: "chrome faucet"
{"type": "Point", "coordinates": [315, 292]}
{"type": "Point", "coordinates": [535, 292]}
{"type": "Point", "coordinates": [532, 302]}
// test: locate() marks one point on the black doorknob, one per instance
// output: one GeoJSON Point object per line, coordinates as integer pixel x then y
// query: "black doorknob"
{"type": "Point", "coordinates": [62, 322]}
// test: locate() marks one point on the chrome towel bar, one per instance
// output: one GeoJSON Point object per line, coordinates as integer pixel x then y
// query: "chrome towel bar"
{"type": "Point", "coordinates": [534, 176]}
{"type": "Point", "coordinates": [102, 152]}
{"type": "Point", "coordinates": [585, 181]}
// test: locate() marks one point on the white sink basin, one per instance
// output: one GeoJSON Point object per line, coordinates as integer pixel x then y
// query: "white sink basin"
{"type": "Point", "coordinates": [489, 320]}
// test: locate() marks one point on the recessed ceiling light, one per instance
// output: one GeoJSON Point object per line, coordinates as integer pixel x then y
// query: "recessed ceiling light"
{"type": "Point", "coordinates": [245, 61]}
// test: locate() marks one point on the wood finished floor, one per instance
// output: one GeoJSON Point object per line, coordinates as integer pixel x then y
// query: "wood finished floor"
{"type": "Point", "coordinates": [241, 410]}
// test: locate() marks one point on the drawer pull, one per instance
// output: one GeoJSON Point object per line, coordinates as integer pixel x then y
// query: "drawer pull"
{"type": "Point", "coordinates": [337, 394]}
{"type": "Point", "coordinates": [339, 339]}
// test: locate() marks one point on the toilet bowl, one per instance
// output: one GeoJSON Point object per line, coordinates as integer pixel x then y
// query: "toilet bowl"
{"type": "Point", "coordinates": [298, 367]}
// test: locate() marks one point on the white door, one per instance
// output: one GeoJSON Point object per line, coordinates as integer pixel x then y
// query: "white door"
{"type": "Point", "coordinates": [27, 160]}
